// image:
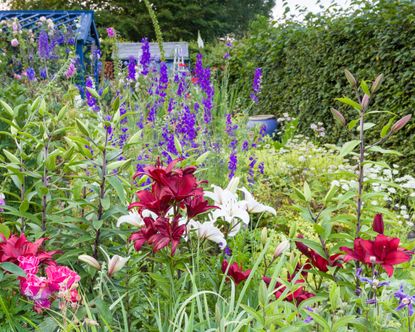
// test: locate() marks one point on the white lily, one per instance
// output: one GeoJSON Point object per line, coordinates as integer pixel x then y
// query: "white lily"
{"type": "Point", "coordinates": [116, 263]}
{"type": "Point", "coordinates": [209, 231]}
{"type": "Point", "coordinates": [134, 218]}
{"type": "Point", "coordinates": [253, 206]}
{"type": "Point", "coordinates": [221, 196]}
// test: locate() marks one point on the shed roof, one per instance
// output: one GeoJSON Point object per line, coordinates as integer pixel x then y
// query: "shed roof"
{"type": "Point", "coordinates": [125, 50]}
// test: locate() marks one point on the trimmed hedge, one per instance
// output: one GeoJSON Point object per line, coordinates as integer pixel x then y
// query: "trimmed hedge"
{"type": "Point", "coordinates": [304, 64]}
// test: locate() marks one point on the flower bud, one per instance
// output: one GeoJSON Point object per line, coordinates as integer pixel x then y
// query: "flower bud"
{"type": "Point", "coordinates": [264, 235]}
{"type": "Point", "coordinates": [91, 261]}
{"type": "Point", "coordinates": [377, 224]}
{"type": "Point", "coordinates": [365, 102]}
{"type": "Point", "coordinates": [116, 263]}
{"type": "Point", "coordinates": [281, 248]}
{"type": "Point", "coordinates": [372, 259]}
{"type": "Point", "coordinates": [376, 83]}
{"type": "Point", "coordinates": [350, 78]}
{"type": "Point", "coordinates": [400, 123]}
{"type": "Point", "coordinates": [338, 116]}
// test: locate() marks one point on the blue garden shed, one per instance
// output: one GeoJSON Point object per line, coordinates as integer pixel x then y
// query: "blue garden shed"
{"type": "Point", "coordinates": [80, 21]}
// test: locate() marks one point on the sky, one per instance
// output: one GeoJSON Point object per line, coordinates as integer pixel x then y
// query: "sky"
{"type": "Point", "coordinates": [311, 5]}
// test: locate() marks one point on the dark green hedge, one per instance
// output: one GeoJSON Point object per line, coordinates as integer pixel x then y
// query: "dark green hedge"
{"type": "Point", "coordinates": [304, 66]}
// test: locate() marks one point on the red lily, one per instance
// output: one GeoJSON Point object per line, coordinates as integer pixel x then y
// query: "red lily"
{"type": "Point", "coordinates": [157, 201]}
{"type": "Point", "coordinates": [315, 259]}
{"type": "Point", "coordinates": [16, 246]}
{"type": "Point", "coordinates": [197, 205]}
{"type": "Point", "coordinates": [235, 271]}
{"type": "Point", "coordinates": [298, 296]}
{"type": "Point", "coordinates": [384, 251]}
{"type": "Point", "coordinates": [168, 232]}
{"type": "Point", "coordinates": [144, 234]}
{"type": "Point", "coordinates": [377, 224]}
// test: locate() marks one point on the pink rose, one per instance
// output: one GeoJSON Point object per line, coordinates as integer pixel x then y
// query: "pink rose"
{"type": "Point", "coordinates": [30, 264]}
{"type": "Point", "coordinates": [61, 277]}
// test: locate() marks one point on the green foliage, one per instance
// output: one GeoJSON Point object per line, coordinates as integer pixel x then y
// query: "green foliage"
{"type": "Point", "coordinates": [179, 19]}
{"type": "Point", "coordinates": [303, 66]}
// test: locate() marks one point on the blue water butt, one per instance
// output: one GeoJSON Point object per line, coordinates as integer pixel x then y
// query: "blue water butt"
{"type": "Point", "coordinates": [269, 122]}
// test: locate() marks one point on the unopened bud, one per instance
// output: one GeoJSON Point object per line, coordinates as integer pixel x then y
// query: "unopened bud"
{"type": "Point", "coordinates": [281, 248]}
{"type": "Point", "coordinates": [116, 263]}
{"type": "Point", "coordinates": [376, 83]}
{"type": "Point", "coordinates": [400, 123]}
{"type": "Point", "coordinates": [91, 261]}
{"type": "Point", "coordinates": [350, 78]}
{"type": "Point", "coordinates": [338, 116]}
{"type": "Point", "coordinates": [264, 235]}
{"type": "Point", "coordinates": [365, 102]}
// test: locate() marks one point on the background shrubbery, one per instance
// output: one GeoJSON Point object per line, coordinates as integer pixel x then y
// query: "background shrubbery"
{"type": "Point", "coordinates": [303, 65]}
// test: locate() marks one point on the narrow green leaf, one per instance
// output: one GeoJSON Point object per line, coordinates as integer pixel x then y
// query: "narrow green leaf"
{"type": "Point", "coordinates": [352, 103]}
{"type": "Point", "coordinates": [82, 128]}
{"type": "Point", "coordinates": [348, 147]}
{"type": "Point", "coordinates": [13, 268]}
{"type": "Point", "coordinates": [11, 157]}
{"type": "Point", "coordinates": [7, 108]}
{"type": "Point", "coordinates": [307, 192]}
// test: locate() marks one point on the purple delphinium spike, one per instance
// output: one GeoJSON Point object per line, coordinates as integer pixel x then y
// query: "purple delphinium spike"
{"type": "Point", "coordinates": [232, 164]}
{"type": "Point", "coordinates": [91, 101]}
{"type": "Point", "coordinates": [245, 145]}
{"type": "Point", "coordinates": [256, 85]}
{"type": "Point", "coordinates": [43, 73]}
{"type": "Point", "coordinates": [163, 82]}
{"type": "Point", "coordinates": [251, 172]}
{"type": "Point", "coordinates": [71, 71]}
{"type": "Point", "coordinates": [132, 62]}
{"type": "Point", "coordinates": [405, 300]}
{"type": "Point", "coordinates": [145, 56]}
{"type": "Point", "coordinates": [171, 105]}
{"type": "Point", "coordinates": [30, 73]}
{"type": "Point", "coordinates": [43, 47]}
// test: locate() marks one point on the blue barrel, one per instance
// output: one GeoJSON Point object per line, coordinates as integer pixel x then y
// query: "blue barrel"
{"type": "Point", "coordinates": [268, 122]}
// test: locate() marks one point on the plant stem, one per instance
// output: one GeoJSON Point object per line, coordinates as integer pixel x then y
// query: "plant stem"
{"type": "Point", "coordinates": [361, 174]}
{"type": "Point", "coordinates": [45, 184]}
{"type": "Point", "coordinates": [101, 193]}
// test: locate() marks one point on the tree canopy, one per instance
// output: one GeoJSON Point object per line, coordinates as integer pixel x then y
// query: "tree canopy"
{"type": "Point", "coordinates": [178, 19]}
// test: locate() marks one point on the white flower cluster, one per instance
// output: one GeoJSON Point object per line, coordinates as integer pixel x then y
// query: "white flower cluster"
{"type": "Point", "coordinates": [318, 129]}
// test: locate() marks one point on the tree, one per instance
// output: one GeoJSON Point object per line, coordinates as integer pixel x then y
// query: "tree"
{"type": "Point", "coordinates": [178, 19]}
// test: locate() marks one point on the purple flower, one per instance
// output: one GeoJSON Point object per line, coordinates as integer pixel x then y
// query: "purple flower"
{"type": "Point", "coordinates": [170, 107]}
{"type": "Point", "coordinates": [71, 71]}
{"type": "Point", "coordinates": [30, 73]}
{"type": "Point", "coordinates": [256, 85]}
{"type": "Point", "coordinates": [163, 81]}
{"type": "Point", "coordinates": [90, 100]}
{"type": "Point", "coordinates": [2, 201]}
{"type": "Point", "coordinates": [405, 300]}
{"type": "Point", "coordinates": [252, 162]}
{"type": "Point", "coordinates": [261, 167]}
{"type": "Point", "coordinates": [202, 76]}
{"type": "Point", "coordinates": [145, 56]}
{"type": "Point", "coordinates": [43, 48]}
{"type": "Point", "coordinates": [111, 32]}
{"type": "Point", "coordinates": [226, 56]}
{"type": "Point", "coordinates": [131, 68]}
{"type": "Point", "coordinates": [43, 73]}
{"type": "Point", "coordinates": [232, 164]}
{"type": "Point", "coordinates": [227, 251]}
{"type": "Point", "coordinates": [245, 146]}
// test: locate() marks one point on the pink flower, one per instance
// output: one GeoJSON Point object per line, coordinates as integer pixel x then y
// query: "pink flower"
{"type": "Point", "coordinates": [30, 264]}
{"type": "Point", "coordinates": [14, 42]}
{"type": "Point", "coordinates": [111, 32]}
{"type": "Point", "coordinates": [61, 278]}
{"type": "Point", "coordinates": [37, 289]}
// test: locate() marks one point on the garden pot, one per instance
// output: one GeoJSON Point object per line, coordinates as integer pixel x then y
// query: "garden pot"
{"type": "Point", "coordinates": [268, 122]}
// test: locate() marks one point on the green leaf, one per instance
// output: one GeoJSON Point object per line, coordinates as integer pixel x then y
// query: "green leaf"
{"type": "Point", "coordinates": [342, 322]}
{"type": "Point", "coordinates": [352, 103]}
{"type": "Point", "coordinates": [42, 107]}
{"type": "Point", "coordinates": [365, 88]}
{"type": "Point", "coordinates": [386, 128]}
{"type": "Point", "coordinates": [97, 224]}
{"type": "Point", "coordinates": [135, 138]}
{"type": "Point", "coordinates": [13, 268]}
{"type": "Point", "coordinates": [352, 124]}
{"type": "Point", "coordinates": [11, 157]}
{"type": "Point", "coordinates": [367, 125]}
{"type": "Point", "coordinates": [7, 108]}
{"type": "Point", "coordinates": [4, 230]}
{"type": "Point", "coordinates": [118, 164]}
{"type": "Point", "coordinates": [330, 194]}
{"type": "Point", "coordinates": [178, 145]}
{"type": "Point", "coordinates": [348, 147]}
{"type": "Point", "coordinates": [313, 245]}
{"type": "Point", "coordinates": [82, 128]}
{"type": "Point", "coordinates": [384, 151]}
{"type": "Point", "coordinates": [93, 92]}
{"type": "Point", "coordinates": [201, 159]}
{"type": "Point", "coordinates": [119, 189]}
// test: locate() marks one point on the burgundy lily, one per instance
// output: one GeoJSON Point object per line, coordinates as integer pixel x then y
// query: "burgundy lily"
{"type": "Point", "coordinates": [315, 259]}
{"type": "Point", "coordinates": [235, 271]}
{"type": "Point", "coordinates": [167, 232]}
{"type": "Point", "coordinates": [197, 205]}
{"type": "Point", "coordinates": [377, 224]}
{"type": "Point", "coordinates": [298, 296]}
{"type": "Point", "coordinates": [16, 246]}
{"type": "Point", "coordinates": [144, 234]}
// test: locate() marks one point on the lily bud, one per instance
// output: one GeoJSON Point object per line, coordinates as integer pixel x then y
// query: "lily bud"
{"type": "Point", "coordinates": [281, 248]}
{"type": "Point", "coordinates": [91, 261]}
{"type": "Point", "coordinates": [264, 235]}
{"type": "Point", "coordinates": [365, 102]}
{"type": "Point", "coordinates": [400, 123]}
{"type": "Point", "coordinates": [378, 225]}
{"type": "Point", "coordinates": [376, 83]}
{"type": "Point", "coordinates": [116, 263]}
{"type": "Point", "coordinates": [338, 116]}
{"type": "Point", "coordinates": [350, 78]}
